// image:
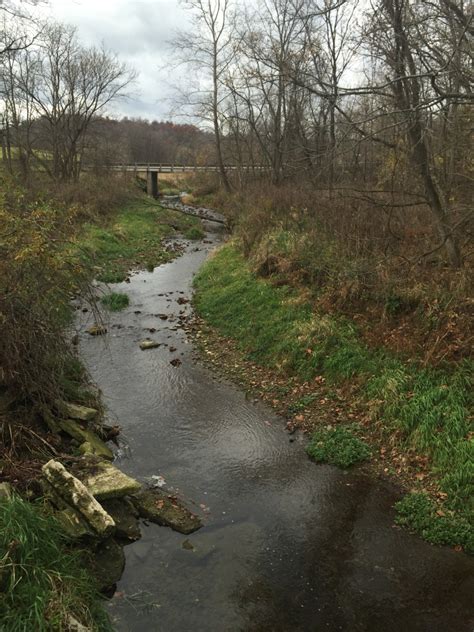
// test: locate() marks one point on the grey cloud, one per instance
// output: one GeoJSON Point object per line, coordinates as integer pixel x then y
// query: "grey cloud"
{"type": "Point", "coordinates": [139, 32]}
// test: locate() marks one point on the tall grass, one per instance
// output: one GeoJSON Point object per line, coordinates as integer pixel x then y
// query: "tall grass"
{"type": "Point", "coordinates": [42, 581]}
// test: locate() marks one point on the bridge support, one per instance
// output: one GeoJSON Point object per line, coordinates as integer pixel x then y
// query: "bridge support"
{"type": "Point", "coordinates": [152, 184]}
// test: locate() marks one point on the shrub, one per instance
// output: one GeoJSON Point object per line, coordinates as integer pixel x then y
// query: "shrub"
{"type": "Point", "coordinates": [37, 278]}
{"type": "Point", "coordinates": [420, 514]}
{"type": "Point", "coordinates": [337, 446]}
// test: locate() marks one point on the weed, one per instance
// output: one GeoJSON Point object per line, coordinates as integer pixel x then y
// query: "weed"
{"type": "Point", "coordinates": [420, 514]}
{"type": "Point", "coordinates": [115, 301]}
{"type": "Point", "coordinates": [42, 582]}
{"type": "Point", "coordinates": [194, 233]}
{"type": "Point", "coordinates": [337, 446]}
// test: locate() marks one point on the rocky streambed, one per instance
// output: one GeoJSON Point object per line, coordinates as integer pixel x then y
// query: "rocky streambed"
{"type": "Point", "coordinates": [285, 544]}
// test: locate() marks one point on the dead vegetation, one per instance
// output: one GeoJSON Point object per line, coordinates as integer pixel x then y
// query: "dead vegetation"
{"type": "Point", "coordinates": [362, 259]}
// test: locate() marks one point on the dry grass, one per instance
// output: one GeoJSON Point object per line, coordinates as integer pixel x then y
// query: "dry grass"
{"type": "Point", "coordinates": [363, 259]}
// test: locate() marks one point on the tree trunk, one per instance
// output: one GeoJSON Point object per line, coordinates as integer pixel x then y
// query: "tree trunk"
{"type": "Point", "coordinates": [217, 131]}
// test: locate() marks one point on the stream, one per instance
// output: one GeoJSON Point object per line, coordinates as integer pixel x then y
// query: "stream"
{"type": "Point", "coordinates": [286, 544]}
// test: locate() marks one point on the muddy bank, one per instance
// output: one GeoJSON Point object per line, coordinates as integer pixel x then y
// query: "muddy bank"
{"type": "Point", "coordinates": [286, 545]}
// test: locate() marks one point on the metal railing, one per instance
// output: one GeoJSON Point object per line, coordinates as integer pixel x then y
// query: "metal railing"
{"type": "Point", "coordinates": [172, 168]}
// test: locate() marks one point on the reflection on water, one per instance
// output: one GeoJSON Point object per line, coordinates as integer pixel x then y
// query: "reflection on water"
{"type": "Point", "coordinates": [287, 545]}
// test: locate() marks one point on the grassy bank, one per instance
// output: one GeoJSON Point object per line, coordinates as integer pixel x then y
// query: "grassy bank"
{"type": "Point", "coordinates": [131, 238]}
{"type": "Point", "coordinates": [423, 410]}
{"type": "Point", "coordinates": [43, 583]}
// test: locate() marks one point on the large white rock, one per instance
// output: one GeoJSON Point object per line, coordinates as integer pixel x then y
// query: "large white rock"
{"type": "Point", "coordinates": [77, 496]}
{"type": "Point", "coordinates": [106, 481]}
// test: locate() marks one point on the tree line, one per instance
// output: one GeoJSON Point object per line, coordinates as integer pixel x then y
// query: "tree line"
{"type": "Point", "coordinates": [372, 98]}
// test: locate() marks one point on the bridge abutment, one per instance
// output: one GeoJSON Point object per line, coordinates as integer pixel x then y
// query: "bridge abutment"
{"type": "Point", "coordinates": [152, 183]}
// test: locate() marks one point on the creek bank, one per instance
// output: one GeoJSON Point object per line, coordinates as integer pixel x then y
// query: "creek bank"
{"type": "Point", "coordinates": [314, 371]}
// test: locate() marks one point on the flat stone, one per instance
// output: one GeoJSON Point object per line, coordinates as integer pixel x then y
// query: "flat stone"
{"type": "Point", "coordinates": [75, 411]}
{"type": "Point", "coordinates": [108, 563]}
{"type": "Point", "coordinates": [73, 625]}
{"type": "Point", "coordinates": [96, 447]}
{"type": "Point", "coordinates": [125, 517]}
{"type": "Point", "coordinates": [106, 481]}
{"type": "Point", "coordinates": [149, 344]}
{"type": "Point", "coordinates": [90, 442]}
{"type": "Point", "coordinates": [160, 508]}
{"type": "Point", "coordinates": [72, 524]}
{"type": "Point", "coordinates": [97, 330]}
{"type": "Point", "coordinates": [78, 497]}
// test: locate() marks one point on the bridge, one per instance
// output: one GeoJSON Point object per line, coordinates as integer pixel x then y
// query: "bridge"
{"type": "Point", "coordinates": [151, 171]}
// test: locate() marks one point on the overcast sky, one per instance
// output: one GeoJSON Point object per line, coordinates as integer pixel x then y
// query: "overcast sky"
{"type": "Point", "coordinates": [138, 31]}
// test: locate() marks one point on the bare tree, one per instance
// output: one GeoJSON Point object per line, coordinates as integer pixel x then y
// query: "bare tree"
{"type": "Point", "coordinates": [60, 87]}
{"type": "Point", "coordinates": [209, 49]}
{"type": "Point", "coordinates": [414, 81]}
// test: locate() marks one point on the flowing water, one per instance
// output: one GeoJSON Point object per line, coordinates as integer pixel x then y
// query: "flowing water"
{"type": "Point", "coordinates": [287, 544]}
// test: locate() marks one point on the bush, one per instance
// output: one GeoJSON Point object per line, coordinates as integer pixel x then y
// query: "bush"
{"type": "Point", "coordinates": [337, 446]}
{"type": "Point", "coordinates": [37, 278]}
{"type": "Point", "coordinates": [420, 514]}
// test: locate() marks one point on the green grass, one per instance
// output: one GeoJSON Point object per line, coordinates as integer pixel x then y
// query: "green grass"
{"type": "Point", "coordinates": [337, 446]}
{"type": "Point", "coordinates": [42, 580]}
{"type": "Point", "coordinates": [194, 233]}
{"type": "Point", "coordinates": [420, 514]}
{"type": "Point", "coordinates": [115, 301]}
{"type": "Point", "coordinates": [133, 239]}
{"type": "Point", "coordinates": [427, 409]}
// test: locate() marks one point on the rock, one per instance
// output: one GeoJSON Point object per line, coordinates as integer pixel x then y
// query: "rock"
{"type": "Point", "coordinates": [50, 421]}
{"type": "Point", "coordinates": [6, 491]}
{"type": "Point", "coordinates": [158, 507]}
{"type": "Point", "coordinates": [108, 563]}
{"type": "Point", "coordinates": [75, 411]}
{"type": "Point", "coordinates": [187, 545]}
{"type": "Point", "coordinates": [97, 330]}
{"type": "Point", "coordinates": [73, 625]}
{"type": "Point", "coordinates": [73, 524]}
{"type": "Point", "coordinates": [149, 344]}
{"type": "Point", "coordinates": [125, 517]}
{"type": "Point", "coordinates": [103, 481]}
{"type": "Point", "coordinates": [96, 448]}
{"type": "Point", "coordinates": [77, 496]}
{"type": "Point", "coordinates": [90, 442]}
